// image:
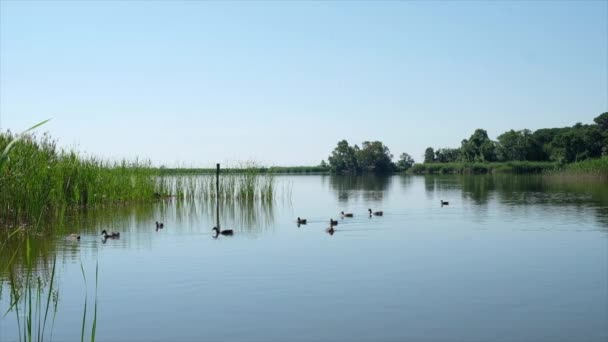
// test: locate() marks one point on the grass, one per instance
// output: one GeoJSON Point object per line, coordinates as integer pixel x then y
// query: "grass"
{"type": "Point", "coordinates": [36, 297]}
{"type": "Point", "coordinates": [256, 169]}
{"type": "Point", "coordinates": [38, 180]}
{"type": "Point", "coordinates": [590, 167]}
{"type": "Point", "coordinates": [519, 167]}
{"type": "Point", "coordinates": [41, 182]}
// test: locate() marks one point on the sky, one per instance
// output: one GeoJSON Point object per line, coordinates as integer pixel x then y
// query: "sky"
{"type": "Point", "coordinates": [192, 83]}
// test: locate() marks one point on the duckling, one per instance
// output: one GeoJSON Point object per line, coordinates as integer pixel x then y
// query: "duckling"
{"type": "Point", "coordinates": [105, 235]}
{"type": "Point", "coordinates": [301, 221]}
{"type": "Point", "coordinates": [444, 203]}
{"type": "Point", "coordinates": [333, 222]}
{"type": "Point", "coordinates": [74, 237]}
{"type": "Point", "coordinates": [375, 213]}
{"type": "Point", "coordinates": [346, 215]}
{"type": "Point", "coordinates": [227, 232]}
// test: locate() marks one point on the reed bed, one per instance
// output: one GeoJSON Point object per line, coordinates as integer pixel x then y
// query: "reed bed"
{"type": "Point", "coordinates": [518, 167]}
{"type": "Point", "coordinates": [589, 167]}
{"type": "Point", "coordinates": [40, 181]}
{"type": "Point", "coordinates": [242, 187]}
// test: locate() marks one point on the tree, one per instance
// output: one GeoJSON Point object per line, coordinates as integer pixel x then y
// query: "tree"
{"type": "Point", "coordinates": [517, 145]}
{"type": "Point", "coordinates": [429, 155]}
{"type": "Point", "coordinates": [479, 147]}
{"type": "Point", "coordinates": [602, 121]}
{"type": "Point", "coordinates": [343, 159]}
{"type": "Point", "coordinates": [323, 164]}
{"type": "Point", "coordinates": [405, 162]}
{"type": "Point", "coordinates": [577, 143]}
{"type": "Point", "coordinates": [375, 157]}
{"type": "Point", "coordinates": [447, 155]}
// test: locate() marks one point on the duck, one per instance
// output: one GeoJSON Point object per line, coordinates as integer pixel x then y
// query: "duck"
{"type": "Point", "coordinates": [160, 225]}
{"type": "Point", "coordinates": [444, 203]}
{"type": "Point", "coordinates": [301, 221]}
{"type": "Point", "coordinates": [375, 213]}
{"type": "Point", "coordinates": [73, 237]}
{"type": "Point", "coordinates": [330, 230]}
{"type": "Point", "coordinates": [227, 232]}
{"type": "Point", "coordinates": [105, 235]}
{"type": "Point", "coordinates": [333, 222]}
{"type": "Point", "coordinates": [346, 214]}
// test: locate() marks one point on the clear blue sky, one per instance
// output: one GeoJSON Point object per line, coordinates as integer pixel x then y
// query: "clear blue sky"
{"type": "Point", "coordinates": [194, 83]}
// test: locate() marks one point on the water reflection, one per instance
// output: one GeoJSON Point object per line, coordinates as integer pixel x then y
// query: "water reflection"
{"type": "Point", "coordinates": [134, 224]}
{"type": "Point", "coordinates": [553, 193]}
{"type": "Point", "coordinates": [367, 187]}
{"type": "Point", "coordinates": [416, 233]}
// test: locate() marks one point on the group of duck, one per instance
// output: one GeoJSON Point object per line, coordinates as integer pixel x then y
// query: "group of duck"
{"type": "Point", "coordinates": [333, 223]}
{"type": "Point", "coordinates": [229, 232]}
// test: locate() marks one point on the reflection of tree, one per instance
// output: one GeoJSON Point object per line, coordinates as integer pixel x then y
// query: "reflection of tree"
{"type": "Point", "coordinates": [368, 187]}
{"type": "Point", "coordinates": [477, 188]}
{"type": "Point", "coordinates": [514, 191]}
{"type": "Point", "coordinates": [441, 183]}
{"type": "Point", "coordinates": [406, 181]}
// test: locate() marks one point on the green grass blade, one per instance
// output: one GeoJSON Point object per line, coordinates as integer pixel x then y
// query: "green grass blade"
{"type": "Point", "coordinates": [94, 329]}
{"type": "Point", "coordinates": [48, 298]}
{"type": "Point", "coordinates": [84, 315]}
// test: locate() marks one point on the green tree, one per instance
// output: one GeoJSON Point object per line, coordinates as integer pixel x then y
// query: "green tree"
{"type": "Point", "coordinates": [517, 145]}
{"type": "Point", "coordinates": [577, 143]}
{"type": "Point", "coordinates": [343, 159]}
{"type": "Point", "coordinates": [602, 121]}
{"type": "Point", "coordinates": [478, 147]}
{"type": "Point", "coordinates": [447, 155]}
{"type": "Point", "coordinates": [429, 155]}
{"type": "Point", "coordinates": [405, 162]}
{"type": "Point", "coordinates": [375, 157]}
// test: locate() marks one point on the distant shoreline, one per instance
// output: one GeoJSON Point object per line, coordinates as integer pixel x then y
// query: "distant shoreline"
{"type": "Point", "coordinates": [592, 167]}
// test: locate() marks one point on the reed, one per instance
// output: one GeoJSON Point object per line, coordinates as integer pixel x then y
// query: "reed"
{"type": "Point", "coordinates": [518, 167]}
{"type": "Point", "coordinates": [589, 167]}
{"type": "Point", "coordinates": [41, 182]}
{"type": "Point", "coordinates": [38, 180]}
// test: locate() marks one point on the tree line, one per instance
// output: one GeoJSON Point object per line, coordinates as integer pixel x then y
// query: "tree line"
{"type": "Point", "coordinates": [561, 145]}
{"type": "Point", "coordinates": [371, 157]}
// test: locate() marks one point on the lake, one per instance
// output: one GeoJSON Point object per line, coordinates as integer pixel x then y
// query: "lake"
{"type": "Point", "coordinates": [511, 258]}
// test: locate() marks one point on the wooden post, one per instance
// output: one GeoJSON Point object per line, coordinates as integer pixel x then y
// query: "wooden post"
{"type": "Point", "coordinates": [217, 196]}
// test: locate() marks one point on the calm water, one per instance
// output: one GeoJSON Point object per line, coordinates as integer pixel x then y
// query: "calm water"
{"type": "Point", "coordinates": [512, 258]}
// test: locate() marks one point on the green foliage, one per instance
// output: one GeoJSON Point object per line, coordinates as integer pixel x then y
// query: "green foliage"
{"type": "Point", "coordinates": [261, 170]}
{"type": "Point", "coordinates": [478, 148]}
{"type": "Point", "coordinates": [372, 157]}
{"type": "Point", "coordinates": [483, 167]}
{"type": "Point", "coordinates": [517, 145]}
{"type": "Point", "coordinates": [405, 162]}
{"type": "Point", "coordinates": [343, 158]}
{"type": "Point", "coordinates": [562, 145]}
{"type": "Point", "coordinates": [38, 180]}
{"type": "Point", "coordinates": [602, 121]}
{"type": "Point", "coordinates": [375, 157]}
{"type": "Point", "coordinates": [447, 155]}
{"type": "Point", "coordinates": [429, 155]}
{"type": "Point", "coordinates": [598, 167]}
{"type": "Point", "coordinates": [577, 143]}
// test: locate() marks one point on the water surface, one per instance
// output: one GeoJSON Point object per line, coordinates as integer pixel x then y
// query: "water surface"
{"type": "Point", "coordinates": [512, 258]}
